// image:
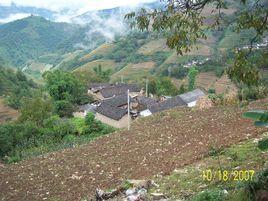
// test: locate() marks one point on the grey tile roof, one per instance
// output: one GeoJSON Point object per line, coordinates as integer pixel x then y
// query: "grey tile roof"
{"type": "Point", "coordinates": [146, 101]}
{"type": "Point", "coordinates": [192, 96]}
{"type": "Point", "coordinates": [98, 85]}
{"type": "Point", "coordinates": [167, 104]}
{"type": "Point", "coordinates": [119, 89]}
{"type": "Point", "coordinates": [117, 101]}
{"type": "Point", "coordinates": [115, 113]}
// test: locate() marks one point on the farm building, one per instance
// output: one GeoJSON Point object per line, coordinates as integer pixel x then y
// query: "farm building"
{"type": "Point", "coordinates": [192, 97]}
{"type": "Point", "coordinates": [113, 111]}
{"type": "Point", "coordinates": [188, 99]}
{"type": "Point", "coordinates": [105, 91]}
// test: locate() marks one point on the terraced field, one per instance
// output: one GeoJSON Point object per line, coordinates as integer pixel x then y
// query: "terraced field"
{"type": "Point", "coordinates": [154, 145]}
{"type": "Point", "coordinates": [105, 64]}
{"type": "Point", "coordinates": [154, 46]}
{"type": "Point", "coordinates": [101, 50]}
{"type": "Point", "coordinates": [134, 71]}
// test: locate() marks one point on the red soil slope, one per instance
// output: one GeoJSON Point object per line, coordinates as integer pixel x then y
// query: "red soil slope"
{"type": "Point", "coordinates": [154, 145]}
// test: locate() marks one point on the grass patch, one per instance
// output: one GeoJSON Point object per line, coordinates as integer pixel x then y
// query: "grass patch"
{"type": "Point", "coordinates": [188, 183]}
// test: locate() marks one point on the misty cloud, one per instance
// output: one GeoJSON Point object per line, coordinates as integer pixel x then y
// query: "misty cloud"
{"type": "Point", "coordinates": [78, 5]}
{"type": "Point", "coordinates": [14, 17]}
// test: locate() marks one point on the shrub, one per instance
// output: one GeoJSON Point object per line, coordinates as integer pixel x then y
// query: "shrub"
{"type": "Point", "coordinates": [58, 128]}
{"type": "Point", "coordinates": [211, 91]}
{"type": "Point", "coordinates": [259, 182]}
{"type": "Point", "coordinates": [209, 195]}
{"type": "Point", "coordinates": [63, 108]}
{"type": "Point", "coordinates": [16, 135]}
{"type": "Point", "coordinates": [35, 110]}
{"type": "Point", "coordinates": [253, 92]}
{"type": "Point", "coordinates": [263, 144]}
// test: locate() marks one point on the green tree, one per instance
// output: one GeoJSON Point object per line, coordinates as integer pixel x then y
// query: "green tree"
{"type": "Point", "coordinates": [191, 78]}
{"type": "Point", "coordinates": [35, 110]}
{"type": "Point", "coordinates": [66, 91]}
{"type": "Point", "coordinates": [92, 125]}
{"type": "Point", "coordinates": [104, 75]}
{"type": "Point", "coordinates": [63, 108]}
{"type": "Point", "coordinates": [166, 87]}
{"type": "Point", "coordinates": [63, 85]}
{"type": "Point", "coordinates": [182, 89]}
{"type": "Point", "coordinates": [57, 128]}
{"type": "Point", "coordinates": [152, 86]}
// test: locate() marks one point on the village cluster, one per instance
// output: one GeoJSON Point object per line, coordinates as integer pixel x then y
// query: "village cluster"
{"type": "Point", "coordinates": [114, 107]}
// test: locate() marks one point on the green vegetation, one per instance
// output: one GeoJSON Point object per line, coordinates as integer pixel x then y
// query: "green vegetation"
{"type": "Point", "coordinates": [30, 38]}
{"type": "Point", "coordinates": [24, 139]}
{"type": "Point", "coordinates": [259, 116]}
{"type": "Point", "coordinates": [209, 195]}
{"type": "Point", "coordinates": [188, 183]}
{"type": "Point", "coordinates": [104, 75]}
{"type": "Point", "coordinates": [66, 91]}
{"type": "Point", "coordinates": [193, 72]}
{"type": "Point", "coordinates": [14, 86]}
{"type": "Point", "coordinates": [162, 86]}
{"type": "Point", "coordinates": [40, 127]}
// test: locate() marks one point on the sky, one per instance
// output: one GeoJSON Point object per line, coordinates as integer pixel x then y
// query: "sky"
{"type": "Point", "coordinates": [75, 5]}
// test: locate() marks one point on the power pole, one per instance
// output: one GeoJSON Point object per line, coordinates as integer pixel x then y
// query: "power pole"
{"type": "Point", "coordinates": [146, 87]}
{"type": "Point", "coordinates": [128, 110]}
{"type": "Point", "coordinates": [169, 71]}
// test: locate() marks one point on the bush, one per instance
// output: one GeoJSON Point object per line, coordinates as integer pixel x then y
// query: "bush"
{"type": "Point", "coordinates": [209, 195]}
{"type": "Point", "coordinates": [57, 128]}
{"type": "Point", "coordinates": [63, 108]}
{"type": "Point", "coordinates": [263, 144]}
{"type": "Point", "coordinates": [259, 182]}
{"type": "Point", "coordinates": [16, 135]}
{"type": "Point", "coordinates": [253, 93]}
{"type": "Point", "coordinates": [211, 91]}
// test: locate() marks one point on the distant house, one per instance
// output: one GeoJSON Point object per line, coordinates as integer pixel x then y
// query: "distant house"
{"type": "Point", "coordinates": [94, 89]}
{"type": "Point", "coordinates": [104, 91]}
{"type": "Point", "coordinates": [167, 104]}
{"type": "Point", "coordinates": [113, 116]}
{"type": "Point", "coordinates": [188, 99]}
{"type": "Point", "coordinates": [192, 97]}
{"type": "Point", "coordinates": [164, 105]}
{"type": "Point", "coordinates": [143, 104]}
{"type": "Point", "coordinates": [113, 111]}
{"type": "Point", "coordinates": [120, 88]}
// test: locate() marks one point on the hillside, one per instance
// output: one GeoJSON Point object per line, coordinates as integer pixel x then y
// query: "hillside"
{"type": "Point", "coordinates": [154, 145]}
{"type": "Point", "coordinates": [31, 37]}
{"type": "Point", "coordinates": [7, 113]}
{"type": "Point", "coordinates": [14, 86]}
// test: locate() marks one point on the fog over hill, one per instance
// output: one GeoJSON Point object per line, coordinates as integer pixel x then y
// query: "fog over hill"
{"type": "Point", "coordinates": [82, 32]}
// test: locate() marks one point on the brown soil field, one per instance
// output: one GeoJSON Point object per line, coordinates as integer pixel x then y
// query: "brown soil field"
{"type": "Point", "coordinates": [154, 145]}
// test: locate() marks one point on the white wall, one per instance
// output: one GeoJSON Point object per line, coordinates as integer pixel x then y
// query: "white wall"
{"type": "Point", "coordinates": [191, 104]}
{"type": "Point", "coordinates": [145, 113]}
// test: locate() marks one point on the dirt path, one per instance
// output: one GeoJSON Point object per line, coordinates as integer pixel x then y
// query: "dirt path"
{"type": "Point", "coordinates": [154, 145]}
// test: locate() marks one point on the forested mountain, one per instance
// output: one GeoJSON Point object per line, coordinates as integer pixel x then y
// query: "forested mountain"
{"type": "Point", "coordinates": [32, 37]}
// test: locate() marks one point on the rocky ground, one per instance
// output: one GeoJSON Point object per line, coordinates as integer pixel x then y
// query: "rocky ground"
{"type": "Point", "coordinates": [154, 145]}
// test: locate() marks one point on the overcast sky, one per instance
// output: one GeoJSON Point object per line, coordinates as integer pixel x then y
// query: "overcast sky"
{"type": "Point", "coordinates": [78, 5]}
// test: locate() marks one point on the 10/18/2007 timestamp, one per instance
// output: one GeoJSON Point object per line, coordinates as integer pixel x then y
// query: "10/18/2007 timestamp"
{"type": "Point", "coordinates": [225, 175]}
